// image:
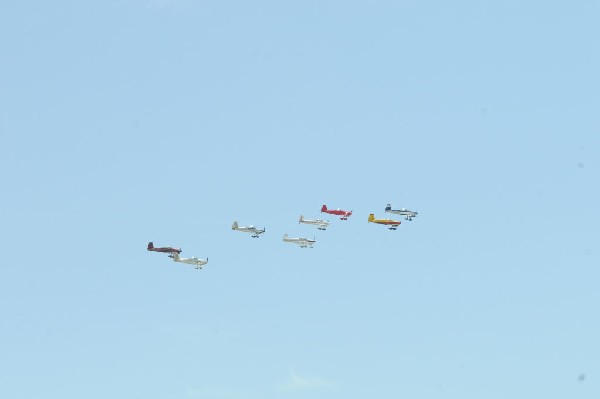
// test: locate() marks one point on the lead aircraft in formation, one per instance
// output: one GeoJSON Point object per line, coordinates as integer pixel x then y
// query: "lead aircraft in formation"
{"type": "Point", "coordinates": [321, 224]}
{"type": "Point", "coordinates": [247, 229]}
{"type": "Point", "coordinates": [344, 215]}
{"type": "Point", "coordinates": [402, 211]}
{"type": "Point", "coordinates": [300, 241]}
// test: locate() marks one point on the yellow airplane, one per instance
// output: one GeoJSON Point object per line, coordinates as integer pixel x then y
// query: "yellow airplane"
{"type": "Point", "coordinates": [388, 222]}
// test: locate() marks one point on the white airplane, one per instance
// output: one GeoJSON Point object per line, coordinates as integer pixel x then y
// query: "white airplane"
{"type": "Point", "coordinates": [198, 263]}
{"type": "Point", "coordinates": [247, 229]}
{"type": "Point", "coordinates": [402, 211]}
{"type": "Point", "coordinates": [322, 224]}
{"type": "Point", "coordinates": [301, 241]}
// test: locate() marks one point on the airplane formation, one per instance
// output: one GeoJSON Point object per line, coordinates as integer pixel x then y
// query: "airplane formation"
{"type": "Point", "coordinates": [302, 242]}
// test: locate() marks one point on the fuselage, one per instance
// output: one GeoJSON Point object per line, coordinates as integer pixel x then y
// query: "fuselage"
{"type": "Point", "coordinates": [401, 211]}
{"type": "Point", "coordinates": [301, 241]}
{"type": "Point", "coordinates": [247, 229]}
{"type": "Point", "coordinates": [169, 250]}
{"type": "Point", "coordinates": [387, 222]}
{"type": "Point", "coordinates": [190, 261]}
{"type": "Point", "coordinates": [339, 212]}
{"type": "Point", "coordinates": [317, 222]}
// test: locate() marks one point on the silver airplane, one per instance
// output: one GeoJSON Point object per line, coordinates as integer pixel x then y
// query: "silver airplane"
{"type": "Point", "coordinates": [198, 263]}
{"type": "Point", "coordinates": [402, 211]}
{"type": "Point", "coordinates": [247, 229]}
{"type": "Point", "coordinates": [301, 241]}
{"type": "Point", "coordinates": [321, 224]}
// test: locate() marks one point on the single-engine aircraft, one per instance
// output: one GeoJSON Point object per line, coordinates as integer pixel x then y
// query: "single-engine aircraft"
{"type": "Point", "coordinates": [169, 250]}
{"type": "Point", "coordinates": [321, 224]}
{"type": "Point", "coordinates": [301, 241]}
{"type": "Point", "coordinates": [340, 212]}
{"type": "Point", "coordinates": [247, 229]}
{"type": "Point", "coordinates": [198, 263]}
{"type": "Point", "coordinates": [388, 222]}
{"type": "Point", "coordinates": [402, 211]}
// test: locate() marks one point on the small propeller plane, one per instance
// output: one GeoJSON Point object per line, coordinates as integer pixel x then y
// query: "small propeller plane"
{"type": "Point", "coordinates": [169, 250]}
{"type": "Point", "coordinates": [301, 241]}
{"type": "Point", "coordinates": [321, 224]}
{"type": "Point", "coordinates": [388, 222]}
{"type": "Point", "coordinates": [340, 212]}
{"type": "Point", "coordinates": [198, 263]}
{"type": "Point", "coordinates": [402, 211]}
{"type": "Point", "coordinates": [247, 229]}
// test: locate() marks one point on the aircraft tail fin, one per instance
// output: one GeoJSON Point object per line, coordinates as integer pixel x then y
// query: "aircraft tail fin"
{"type": "Point", "coordinates": [371, 217]}
{"type": "Point", "coordinates": [234, 226]}
{"type": "Point", "coordinates": [388, 207]}
{"type": "Point", "coordinates": [150, 246]}
{"type": "Point", "coordinates": [324, 208]}
{"type": "Point", "coordinates": [301, 219]}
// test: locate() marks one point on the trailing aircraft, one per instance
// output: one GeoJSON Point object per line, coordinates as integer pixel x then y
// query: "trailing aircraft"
{"type": "Point", "coordinates": [339, 212]}
{"type": "Point", "coordinates": [402, 211]}
{"type": "Point", "coordinates": [301, 241]}
{"type": "Point", "coordinates": [198, 263]}
{"type": "Point", "coordinates": [247, 229]}
{"type": "Point", "coordinates": [388, 222]}
{"type": "Point", "coordinates": [321, 224]}
{"type": "Point", "coordinates": [169, 250]}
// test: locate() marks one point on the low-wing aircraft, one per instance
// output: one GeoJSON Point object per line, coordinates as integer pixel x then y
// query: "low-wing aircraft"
{"type": "Point", "coordinates": [301, 241]}
{"type": "Point", "coordinates": [198, 263]}
{"type": "Point", "coordinates": [340, 212]}
{"type": "Point", "coordinates": [388, 222]}
{"type": "Point", "coordinates": [168, 250]}
{"type": "Point", "coordinates": [402, 211]}
{"type": "Point", "coordinates": [247, 229]}
{"type": "Point", "coordinates": [321, 224]}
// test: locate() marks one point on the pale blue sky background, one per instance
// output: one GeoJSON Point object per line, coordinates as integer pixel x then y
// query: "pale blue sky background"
{"type": "Point", "coordinates": [125, 121]}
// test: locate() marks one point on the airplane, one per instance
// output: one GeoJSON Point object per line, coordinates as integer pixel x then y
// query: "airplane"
{"type": "Point", "coordinates": [340, 212]}
{"type": "Point", "coordinates": [248, 229]}
{"type": "Point", "coordinates": [169, 250]}
{"type": "Point", "coordinates": [198, 263]}
{"type": "Point", "coordinates": [301, 241]}
{"type": "Point", "coordinates": [322, 224]}
{"type": "Point", "coordinates": [402, 211]}
{"type": "Point", "coordinates": [388, 222]}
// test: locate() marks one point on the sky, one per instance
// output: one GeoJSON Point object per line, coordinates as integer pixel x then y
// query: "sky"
{"type": "Point", "coordinates": [128, 121]}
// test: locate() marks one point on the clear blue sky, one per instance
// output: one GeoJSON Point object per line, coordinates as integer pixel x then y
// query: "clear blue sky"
{"type": "Point", "coordinates": [125, 121]}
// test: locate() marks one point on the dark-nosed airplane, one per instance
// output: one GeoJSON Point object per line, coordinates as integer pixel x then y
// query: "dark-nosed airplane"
{"type": "Point", "coordinates": [402, 211]}
{"type": "Point", "coordinates": [344, 215]}
{"type": "Point", "coordinates": [168, 250]}
{"type": "Point", "coordinates": [387, 222]}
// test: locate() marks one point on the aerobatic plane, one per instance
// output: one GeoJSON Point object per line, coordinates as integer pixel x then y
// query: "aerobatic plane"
{"type": "Point", "coordinates": [388, 222]}
{"type": "Point", "coordinates": [301, 241]}
{"type": "Point", "coordinates": [402, 211]}
{"type": "Point", "coordinates": [198, 263]}
{"type": "Point", "coordinates": [340, 212]}
{"type": "Point", "coordinates": [321, 224]}
{"type": "Point", "coordinates": [247, 229]}
{"type": "Point", "coordinates": [168, 250]}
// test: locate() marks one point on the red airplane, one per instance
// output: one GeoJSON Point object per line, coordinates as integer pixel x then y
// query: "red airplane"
{"type": "Point", "coordinates": [169, 250]}
{"type": "Point", "coordinates": [340, 212]}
